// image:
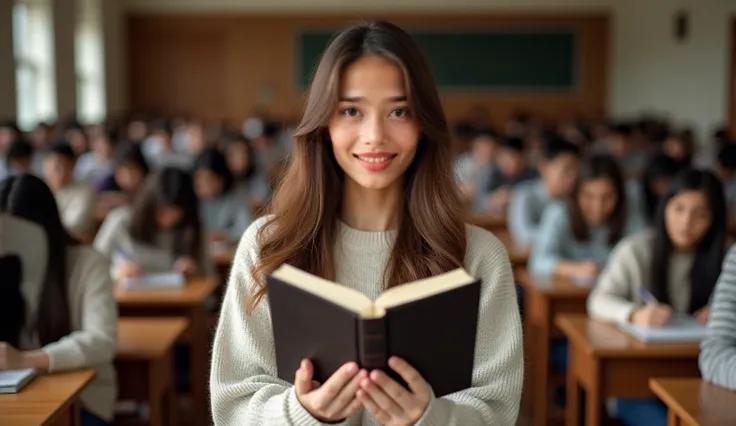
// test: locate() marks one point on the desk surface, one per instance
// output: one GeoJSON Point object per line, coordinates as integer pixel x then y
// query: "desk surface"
{"type": "Point", "coordinates": [43, 398]}
{"type": "Point", "coordinates": [519, 255]}
{"type": "Point", "coordinates": [552, 286]}
{"type": "Point", "coordinates": [491, 222]}
{"type": "Point", "coordinates": [147, 338]}
{"type": "Point", "coordinates": [194, 293]}
{"type": "Point", "coordinates": [697, 402]}
{"type": "Point", "coordinates": [606, 340]}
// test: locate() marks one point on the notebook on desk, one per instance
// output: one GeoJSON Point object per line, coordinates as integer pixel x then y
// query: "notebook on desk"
{"type": "Point", "coordinates": [12, 381]}
{"type": "Point", "coordinates": [154, 281]}
{"type": "Point", "coordinates": [679, 329]}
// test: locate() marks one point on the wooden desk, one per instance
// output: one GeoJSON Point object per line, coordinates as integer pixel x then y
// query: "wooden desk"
{"type": "Point", "coordinates": [186, 302]}
{"type": "Point", "coordinates": [49, 400]}
{"type": "Point", "coordinates": [490, 222]}
{"type": "Point", "coordinates": [544, 298]}
{"type": "Point", "coordinates": [606, 362]}
{"type": "Point", "coordinates": [518, 255]}
{"type": "Point", "coordinates": [145, 364]}
{"type": "Point", "coordinates": [693, 402]}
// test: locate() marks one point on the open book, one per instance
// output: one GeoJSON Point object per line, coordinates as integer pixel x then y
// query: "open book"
{"type": "Point", "coordinates": [431, 323]}
{"type": "Point", "coordinates": [12, 381]}
{"type": "Point", "coordinates": [679, 329]}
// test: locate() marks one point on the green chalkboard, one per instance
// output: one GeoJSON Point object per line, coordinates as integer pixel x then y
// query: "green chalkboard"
{"type": "Point", "coordinates": [478, 60]}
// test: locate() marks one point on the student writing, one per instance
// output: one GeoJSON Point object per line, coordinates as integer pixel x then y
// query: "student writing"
{"type": "Point", "coordinates": [576, 236]}
{"type": "Point", "coordinates": [529, 199]}
{"type": "Point", "coordinates": [368, 200]}
{"type": "Point", "coordinates": [69, 320]}
{"type": "Point", "coordinates": [677, 262]}
{"type": "Point", "coordinates": [161, 232]}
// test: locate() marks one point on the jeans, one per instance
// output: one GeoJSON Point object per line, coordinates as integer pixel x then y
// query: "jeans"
{"type": "Point", "coordinates": [641, 412]}
{"type": "Point", "coordinates": [88, 419]}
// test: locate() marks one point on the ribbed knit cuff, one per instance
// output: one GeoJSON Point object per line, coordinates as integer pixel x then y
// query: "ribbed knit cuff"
{"type": "Point", "coordinates": [300, 416]}
{"type": "Point", "coordinates": [436, 413]}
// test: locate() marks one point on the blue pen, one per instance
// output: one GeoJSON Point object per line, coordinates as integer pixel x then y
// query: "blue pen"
{"type": "Point", "coordinates": [647, 297]}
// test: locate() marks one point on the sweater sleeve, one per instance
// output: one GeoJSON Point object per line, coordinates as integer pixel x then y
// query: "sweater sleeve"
{"type": "Point", "coordinates": [96, 340]}
{"type": "Point", "coordinates": [612, 299]}
{"type": "Point", "coordinates": [522, 226]}
{"type": "Point", "coordinates": [245, 389]}
{"type": "Point", "coordinates": [78, 214]}
{"type": "Point", "coordinates": [550, 240]}
{"type": "Point", "coordinates": [718, 349]}
{"type": "Point", "coordinates": [495, 394]}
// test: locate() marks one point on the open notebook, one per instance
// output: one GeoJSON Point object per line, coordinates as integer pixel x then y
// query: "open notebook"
{"type": "Point", "coordinates": [154, 281]}
{"type": "Point", "coordinates": [679, 329]}
{"type": "Point", "coordinates": [12, 381]}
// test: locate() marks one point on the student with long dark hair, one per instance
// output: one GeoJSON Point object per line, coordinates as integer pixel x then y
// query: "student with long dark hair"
{"type": "Point", "coordinates": [124, 185]}
{"type": "Point", "coordinates": [248, 179]}
{"type": "Point", "coordinates": [223, 209]}
{"type": "Point", "coordinates": [654, 182]}
{"type": "Point", "coordinates": [677, 262]}
{"type": "Point", "coordinates": [576, 236]}
{"type": "Point", "coordinates": [69, 316]}
{"type": "Point", "coordinates": [368, 200]}
{"type": "Point", "coordinates": [160, 232]}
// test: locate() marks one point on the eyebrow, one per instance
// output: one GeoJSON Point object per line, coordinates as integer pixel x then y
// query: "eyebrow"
{"type": "Point", "coordinates": [358, 99]}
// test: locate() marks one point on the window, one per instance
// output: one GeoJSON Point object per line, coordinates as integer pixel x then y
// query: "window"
{"type": "Point", "coordinates": [34, 71]}
{"type": "Point", "coordinates": [90, 63]}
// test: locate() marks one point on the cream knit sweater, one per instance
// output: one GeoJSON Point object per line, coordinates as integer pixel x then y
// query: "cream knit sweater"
{"type": "Point", "coordinates": [246, 390]}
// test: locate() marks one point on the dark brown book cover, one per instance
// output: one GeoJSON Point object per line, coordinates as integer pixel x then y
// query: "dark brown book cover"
{"type": "Point", "coordinates": [435, 334]}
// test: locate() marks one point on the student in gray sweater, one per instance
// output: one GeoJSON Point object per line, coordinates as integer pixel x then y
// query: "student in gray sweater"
{"type": "Point", "coordinates": [718, 349]}
{"type": "Point", "coordinates": [666, 271]}
{"type": "Point", "coordinates": [223, 208]}
{"type": "Point", "coordinates": [59, 313]}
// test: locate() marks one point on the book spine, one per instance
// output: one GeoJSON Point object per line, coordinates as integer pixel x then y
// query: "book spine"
{"type": "Point", "coordinates": [372, 343]}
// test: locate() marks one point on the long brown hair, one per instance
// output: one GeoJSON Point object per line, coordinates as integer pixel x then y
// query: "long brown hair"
{"type": "Point", "coordinates": [306, 206]}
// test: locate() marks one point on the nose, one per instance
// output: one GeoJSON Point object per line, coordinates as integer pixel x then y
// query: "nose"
{"type": "Point", "coordinates": [373, 130]}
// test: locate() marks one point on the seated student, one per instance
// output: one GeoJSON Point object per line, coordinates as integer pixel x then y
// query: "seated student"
{"type": "Point", "coordinates": [646, 193]}
{"type": "Point", "coordinates": [680, 147]}
{"type": "Point", "coordinates": [620, 145]}
{"type": "Point", "coordinates": [473, 168]}
{"type": "Point", "coordinates": [120, 188]}
{"type": "Point", "coordinates": [74, 133]}
{"type": "Point", "coordinates": [510, 169]}
{"type": "Point", "coordinates": [529, 199]}
{"type": "Point", "coordinates": [247, 178]}
{"type": "Point", "coordinates": [161, 232]}
{"type": "Point", "coordinates": [75, 199]}
{"type": "Point", "coordinates": [159, 149]}
{"type": "Point", "coordinates": [93, 167]}
{"type": "Point", "coordinates": [576, 235]}
{"type": "Point", "coordinates": [68, 319]}
{"type": "Point", "coordinates": [718, 348]}
{"type": "Point", "coordinates": [726, 171]}
{"type": "Point", "coordinates": [19, 157]}
{"type": "Point", "coordinates": [665, 271]}
{"type": "Point", "coordinates": [223, 209]}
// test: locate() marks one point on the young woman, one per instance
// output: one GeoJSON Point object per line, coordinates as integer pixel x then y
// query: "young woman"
{"type": "Point", "coordinates": [69, 319]}
{"type": "Point", "coordinates": [576, 236]}
{"type": "Point", "coordinates": [246, 176]}
{"type": "Point", "coordinates": [368, 200]}
{"type": "Point", "coordinates": [223, 209]}
{"type": "Point", "coordinates": [160, 232]}
{"type": "Point", "coordinates": [665, 271]}
{"type": "Point", "coordinates": [124, 185]}
{"type": "Point", "coordinates": [653, 185]}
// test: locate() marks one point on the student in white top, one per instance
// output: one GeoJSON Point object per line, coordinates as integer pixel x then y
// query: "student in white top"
{"type": "Point", "coordinates": [69, 318]}
{"type": "Point", "coordinates": [668, 270]}
{"type": "Point", "coordinates": [161, 232]}
{"type": "Point", "coordinates": [76, 199]}
{"type": "Point", "coordinates": [368, 200]}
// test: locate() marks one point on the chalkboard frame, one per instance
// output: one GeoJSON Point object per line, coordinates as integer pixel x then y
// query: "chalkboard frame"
{"type": "Point", "coordinates": [574, 88]}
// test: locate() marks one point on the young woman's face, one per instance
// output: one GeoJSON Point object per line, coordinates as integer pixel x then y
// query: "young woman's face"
{"type": "Point", "coordinates": [168, 216]}
{"type": "Point", "coordinates": [238, 159]}
{"type": "Point", "coordinates": [597, 199]}
{"type": "Point", "coordinates": [207, 184]}
{"type": "Point", "coordinates": [58, 171]}
{"type": "Point", "coordinates": [129, 177]}
{"type": "Point", "coordinates": [77, 140]}
{"type": "Point", "coordinates": [560, 174]}
{"type": "Point", "coordinates": [687, 218]}
{"type": "Point", "coordinates": [374, 135]}
{"type": "Point", "coordinates": [675, 148]}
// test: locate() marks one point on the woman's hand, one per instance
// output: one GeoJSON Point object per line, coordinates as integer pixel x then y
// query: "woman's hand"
{"type": "Point", "coordinates": [652, 316]}
{"type": "Point", "coordinates": [335, 399]}
{"type": "Point", "coordinates": [185, 265]}
{"type": "Point", "coordinates": [702, 315]}
{"type": "Point", "coordinates": [388, 401]}
{"type": "Point", "coordinates": [10, 358]}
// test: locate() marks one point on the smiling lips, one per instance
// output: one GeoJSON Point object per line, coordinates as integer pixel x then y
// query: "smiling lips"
{"type": "Point", "coordinates": [375, 161]}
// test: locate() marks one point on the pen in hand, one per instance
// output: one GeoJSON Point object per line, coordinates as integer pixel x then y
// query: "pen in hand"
{"type": "Point", "coordinates": [654, 314]}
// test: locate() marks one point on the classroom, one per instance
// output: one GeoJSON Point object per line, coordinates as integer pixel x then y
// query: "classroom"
{"type": "Point", "coordinates": [368, 212]}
